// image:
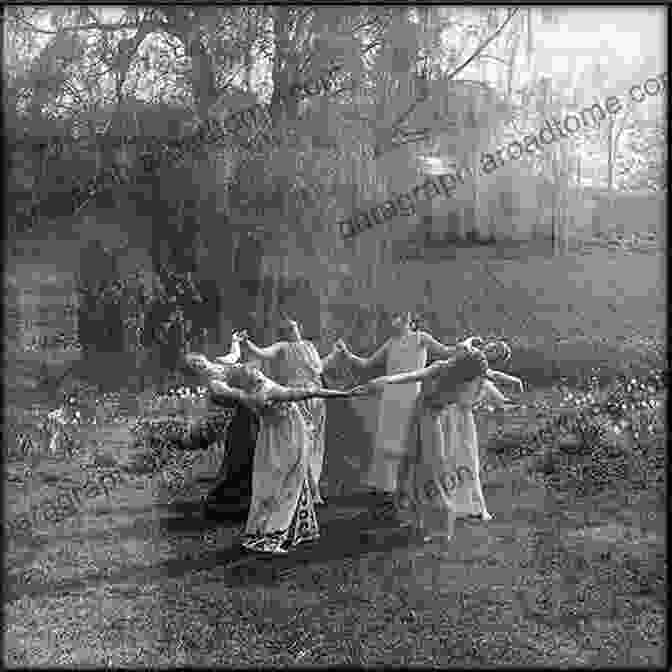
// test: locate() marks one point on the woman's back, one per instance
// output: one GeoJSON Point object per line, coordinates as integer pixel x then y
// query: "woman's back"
{"type": "Point", "coordinates": [458, 382]}
{"type": "Point", "coordinates": [245, 377]}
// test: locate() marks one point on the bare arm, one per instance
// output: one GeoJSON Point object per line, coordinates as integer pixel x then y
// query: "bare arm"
{"type": "Point", "coordinates": [490, 391]}
{"type": "Point", "coordinates": [330, 359]}
{"type": "Point", "coordinates": [265, 353]}
{"type": "Point", "coordinates": [220, 390]}
{"type": "Point", "coordinates": [500, 377]}
{"type": "Point", "coordinates": [278, 393]}
{"type": "Point", "coordinates": [435, 348]}
{"type": "Point", "coordinates": [233, 356]}
{"type": "Point", "coordinates": [273, 393]}
{"type": "Point", "coordinates": [378, 357]}
{"type": "Point", "coordinates": [409, 377]}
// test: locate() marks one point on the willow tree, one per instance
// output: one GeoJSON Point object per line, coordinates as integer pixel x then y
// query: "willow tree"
{"type": "Point", "coordinates": [398, 79]}
{"type": "Point", "coordinates": [420, 96]}
{"type": "Point", "coordinates": [398, 85]}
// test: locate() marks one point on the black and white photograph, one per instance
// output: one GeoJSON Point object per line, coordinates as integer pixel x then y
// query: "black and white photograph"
{"type": "Point", "coordinates": [335, 335]}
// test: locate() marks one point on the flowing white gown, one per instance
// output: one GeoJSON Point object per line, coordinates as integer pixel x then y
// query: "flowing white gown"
{"type": "Point", "coordinates": [461, 441]}
{"type": "Point", "coordinates": [397, 403]}
{"type": "Point", "coordinates": [429, 477]}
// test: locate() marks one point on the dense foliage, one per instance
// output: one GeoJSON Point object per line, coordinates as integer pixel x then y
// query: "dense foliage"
{"type": "Point", "coordinates": [601, 436]}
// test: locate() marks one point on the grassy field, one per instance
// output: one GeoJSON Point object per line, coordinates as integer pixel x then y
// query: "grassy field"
{"type": "Point", "coordinates": [564, 316]}
{"type": "Point", "coordinates": [139, 578]}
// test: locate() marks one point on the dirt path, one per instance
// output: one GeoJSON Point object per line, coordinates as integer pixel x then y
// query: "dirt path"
{"type": "Point", "coordinates": [141, 579]}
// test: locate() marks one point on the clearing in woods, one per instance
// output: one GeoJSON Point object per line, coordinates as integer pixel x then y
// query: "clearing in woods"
{"type": "Point", "coordinates": [141, 579]}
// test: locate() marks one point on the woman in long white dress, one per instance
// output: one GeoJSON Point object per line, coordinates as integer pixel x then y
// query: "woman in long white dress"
{"type": "Point", "coordinates": [407, 350]}
{"type": "Point", "coordinates": [461, 436]}
{"type": "Point", "coordinates": [429, 477]}
{"type": "Point", "coordinates": [282, 512]}
{"type": "Point", "coordinates": [296, 362]}
{"type": "Point", "coordinates": [461, 440]}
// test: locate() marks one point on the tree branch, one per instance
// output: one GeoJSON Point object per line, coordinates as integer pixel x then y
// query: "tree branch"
{"type": "Point", "coordinates": [73, 91]}
{"type": "Point", "coordinates": [479, 50]}
{"type": "Point", "coordinates": [366, 24]}
{"type": "Point", "coordinates": [421, 99]}
{"type": "Point", "coordinates": [494, 58]}
{"type": "Point", "coordinates": [90, 26]}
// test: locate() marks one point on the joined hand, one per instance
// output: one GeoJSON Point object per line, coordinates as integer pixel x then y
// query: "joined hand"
{"type": "Point", "coordinates": [341, 347]}
{"type": "Point", "coordinates": [472, 342]}
{"type": "Point", "coordinates": [366, 389]}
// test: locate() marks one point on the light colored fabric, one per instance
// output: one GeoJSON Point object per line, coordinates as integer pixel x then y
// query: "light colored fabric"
{"type": "Point", "coordinates": [427, 479]}
{"type": "Point", "coordinates": [461, 439]}
{"type": "Point", "coordinates": [299, 365]}
{"type": "Point", "coordinates": [316, 410]}
{"type": "Point", "coordinates": [281, 510]}
{"type": "Point", "coordinates": [396, 407]}
{"type": "Point", "coordinates": [440, 478]}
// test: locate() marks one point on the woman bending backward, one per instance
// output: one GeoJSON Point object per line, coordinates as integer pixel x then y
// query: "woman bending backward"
{"type": "Point", "coordinates": [282, 511]}
{"type": "Point", "coordinates": [427, 477]}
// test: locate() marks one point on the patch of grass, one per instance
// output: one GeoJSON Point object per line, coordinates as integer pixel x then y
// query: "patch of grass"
{"type": "Point", "coordinates": [593, 438]}
{"type": "Point", "coordinates": [576, 363]}
{"type": "Point", "coordinates": [571, 570]}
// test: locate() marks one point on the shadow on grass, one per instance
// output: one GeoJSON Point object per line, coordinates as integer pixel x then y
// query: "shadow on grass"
{"type": "Point", "coordinates": [340, 539]}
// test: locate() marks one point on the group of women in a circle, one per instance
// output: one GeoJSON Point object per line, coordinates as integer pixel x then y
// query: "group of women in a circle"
{"type": "Point", "coordinates": [424, 468]}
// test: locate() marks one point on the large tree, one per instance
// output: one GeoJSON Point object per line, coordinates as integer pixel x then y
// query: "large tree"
{"type": "Point", "coordinates": [126, 74]}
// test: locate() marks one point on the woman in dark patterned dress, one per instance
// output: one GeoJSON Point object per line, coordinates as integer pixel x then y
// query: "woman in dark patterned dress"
{"type": "Point", "coordinates": [230, 498]}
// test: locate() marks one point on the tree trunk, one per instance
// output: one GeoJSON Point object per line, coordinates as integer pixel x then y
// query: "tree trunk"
{"type": "Point", "coordinates": [610, 156]}
{"type": "Point", "coordinates": [36, 215]}
{"type": "Point", "coordinates": [202, 76]}
{"type": "Point", "coordinates": [284, 66]}
{"type": "Point", "coordinates": [203, 81]}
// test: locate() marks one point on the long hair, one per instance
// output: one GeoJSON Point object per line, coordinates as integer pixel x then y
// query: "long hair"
{"type": "Point", "coordinates": [242, 376]}
{"type": "Point", "coordinates": [499, 351]}
{"type": "Point", "coordinates": [201, 365]}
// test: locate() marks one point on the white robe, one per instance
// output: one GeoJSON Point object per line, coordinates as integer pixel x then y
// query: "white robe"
{"type": "Point", "coordinates": [461, 441]}
{"type": "Point", "coordinates": [396, 406]}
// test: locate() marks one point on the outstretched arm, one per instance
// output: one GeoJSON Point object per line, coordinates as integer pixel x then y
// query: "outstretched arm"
{"type": "Point", "coordinates": [378, 357]}
{"type": "Point", "coordinates": [338, 350]}
{"type": "Point", "coordinates": [501, 377]}
{"type": "Point", "coordinates": [264, 353]}
{"type": "Point", "coordinates": [490, 391]}
{"type": "Point", "coordinates": [281, 393]}
{"type": "Point", "coordinates": [330, 359]}
{"type": "Point", "coordinates": [435, 348]}
{"type": "Point", "coordinates": [220, 391]}
{"type": "Point", "coordinates": [273, 393]}
{"type": "Point", "coordinates": [234, 353]}
{"type": "Point", "coordinates": [400, 378]}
